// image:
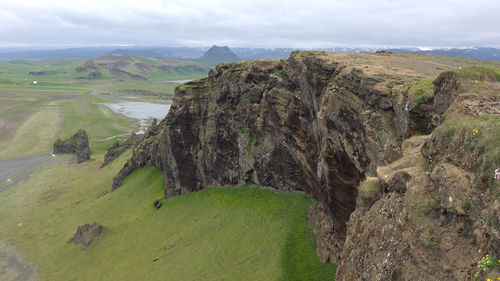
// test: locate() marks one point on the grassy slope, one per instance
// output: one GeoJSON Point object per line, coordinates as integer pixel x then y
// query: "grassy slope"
{"type": "Point", "coordinates": [248, 233]}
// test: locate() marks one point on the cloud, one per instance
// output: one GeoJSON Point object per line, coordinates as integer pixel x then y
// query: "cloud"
{"type": "Point", "coordinates": [251, 23]}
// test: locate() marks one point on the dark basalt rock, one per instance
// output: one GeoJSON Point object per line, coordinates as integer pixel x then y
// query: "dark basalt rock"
{"type": "Point", "coordinates": [446, 90]}
{"type": "Point", "coordinates": [397, 183]}
{"type": "Point", "coordinates": [78, 144]}
{"type": "Point", "coordinates": [320, 123]}
{"type": "Point", "coordinates": [85, 234]}
{"type": "Point", "coordinates": [115, 150]}
{"type": "Point", "coordinates": [94, 74]}
{"type": "Point", "coordinates": [292, 125]}
{"type": "Point", "coordinates": [157, 204]}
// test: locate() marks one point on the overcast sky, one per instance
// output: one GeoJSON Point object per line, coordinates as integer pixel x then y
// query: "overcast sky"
{"type": "Point", "coordinates": [297, 24]}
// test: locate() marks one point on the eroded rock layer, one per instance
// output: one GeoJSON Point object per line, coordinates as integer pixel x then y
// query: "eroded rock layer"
{"type": "Point", "coordinates": [316, 122]}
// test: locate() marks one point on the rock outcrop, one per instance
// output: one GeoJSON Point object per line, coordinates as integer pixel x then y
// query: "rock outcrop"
{"type": "Point", "coordinates": [309, 123]}
{"type": "Point", "coordinates": [119, 147]}
{"type": "Point", "coordinates": [436, 214]}
{"type": "Point", "coordinates": [321, 123]}
{"type": "Point", "coordinates": [78, 144]}
{"type": "Point", "coordinates": [446, 91]}
{"type": "Point", "coordinates": [85, 234]}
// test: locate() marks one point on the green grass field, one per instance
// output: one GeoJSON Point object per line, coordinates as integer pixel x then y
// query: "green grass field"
{"type": "Point", "coordinates": [246, 233]}
{"type": "Point", "coordinates": [31, 120]}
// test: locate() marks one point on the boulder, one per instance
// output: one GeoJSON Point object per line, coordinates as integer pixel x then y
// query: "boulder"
{"type": "Point", "coordinates": [85, 234]}
{"type": "Point", "coordinates": [94, 74]}
{"type": "Point", "coordinates": [78, 144]}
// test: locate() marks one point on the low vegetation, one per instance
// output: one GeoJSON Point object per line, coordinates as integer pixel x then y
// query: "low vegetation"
{"type": "Point", "coordinates": [421, 90]}
{"type": "Point", "coordinates": [488, 269]}
{"type": "Point", "coordinates": [247, 233]}
{"type": "Point", "coordinates": [479, 72]}
{"type": "Point", "coordinates": [282, 75]}
{"type": "Point", "coordinates": [250, 137]}
{"type": "Point", "coordinates": [475, 138]}
{"type": "Point", "coordinates": [480, 79]}
{"type": "Point", "coordinates": [370, 187]}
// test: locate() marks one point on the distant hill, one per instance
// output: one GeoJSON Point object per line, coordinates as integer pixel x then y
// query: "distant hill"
{"type": "Point", "coordinates": [138, 68]}
{"type": "Point", "coordinates": [218, 54]}
{"type": "Point", "coordinates": [492, 54]}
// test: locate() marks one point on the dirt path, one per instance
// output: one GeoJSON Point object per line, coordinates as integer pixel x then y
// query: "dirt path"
{"type": "Point", "coordinates": [12, 268]}
{"type": "Point", "coordinates": [15, 170]}
{"type": "Point", "coordinates": [110, 138]}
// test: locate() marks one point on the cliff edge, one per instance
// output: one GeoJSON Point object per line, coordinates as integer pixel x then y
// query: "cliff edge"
{"type": "Point", "coordinates": [322, 123]}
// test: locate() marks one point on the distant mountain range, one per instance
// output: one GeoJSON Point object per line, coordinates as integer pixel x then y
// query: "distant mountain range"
{"type": "Point", "coordinates": [242, 53]}
{"type": "Point", "coordinates": [474, 53]}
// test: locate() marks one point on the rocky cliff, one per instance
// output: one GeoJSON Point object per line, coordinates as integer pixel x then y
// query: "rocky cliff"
{"type": "Point", "coordinates": [321, 123]}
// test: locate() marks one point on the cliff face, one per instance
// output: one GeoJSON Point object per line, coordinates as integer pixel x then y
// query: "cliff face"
{"type": "Point", "coordinates": [308, 123]}
{"type": "Point", "coordinates": [316, 122]}
{"type": "Point", "coordinates": [434, 213]}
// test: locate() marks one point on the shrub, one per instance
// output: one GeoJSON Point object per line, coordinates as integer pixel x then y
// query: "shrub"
{"type": "Point", "coordinates": [370, 187]}
{"type": "Point", "coordinates": [477, 140]}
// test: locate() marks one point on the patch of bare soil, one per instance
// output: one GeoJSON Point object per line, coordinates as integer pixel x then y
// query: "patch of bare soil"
{"type": "Point", "coordinates": [12, 268]}
{"type": "Point", "coordinates": [15, 170]}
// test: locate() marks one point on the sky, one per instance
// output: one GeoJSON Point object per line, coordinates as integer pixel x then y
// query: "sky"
{"type": "Point", "coordinates": [293, 24]}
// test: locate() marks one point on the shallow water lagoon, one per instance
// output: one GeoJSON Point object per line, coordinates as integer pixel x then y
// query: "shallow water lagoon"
{"type": "Point", "coordinates": [143, 111]}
